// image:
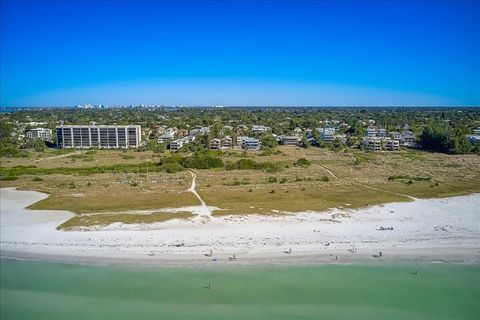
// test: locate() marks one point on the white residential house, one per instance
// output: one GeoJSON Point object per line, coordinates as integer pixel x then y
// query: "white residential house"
{"type": "Point", "coordinates": [178, 143]}
{"type": "Point", "coordinates": [381, 132]}
{"type": "Point", "coordinates": [40, 133]}
{"type": "Point", "coordinates": [165, 138]}
{"type": "Point", "coordinates": [259, 129]}
{"type": "Point", "coordinates": [202, 131]}
{"type": "Point", "coordinates": [476, 131]}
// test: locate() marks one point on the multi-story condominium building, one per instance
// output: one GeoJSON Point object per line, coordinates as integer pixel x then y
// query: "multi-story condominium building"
{"type": "Point", "coordinates": [101, 136]}
{"type": "Point", "coordinates": [251, 144]}
{"type": "Point", "coordinates": [371, 132]}
{"type": "Point", "coordinates": [290, 140]}
{"type": "Point", "coordinates": [391, 144]}
{"type": "Point", "coordinates": [476, 131]}
{"type": "Point", "coordinates": [40, 133]}
{"type": "Point", "coordinates": [327, 134]}
{"type": "Point", "coordinates": [372, 143]}
{"type": "Point", "coordinates": [408, 139]}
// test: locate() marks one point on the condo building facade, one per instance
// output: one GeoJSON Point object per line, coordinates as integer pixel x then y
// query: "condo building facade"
{"type": "Point", "coordinates": [99, 136]}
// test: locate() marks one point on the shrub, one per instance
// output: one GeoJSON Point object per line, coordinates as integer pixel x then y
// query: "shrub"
{"type": "Point", "coordinates": [272, 179]}
{"type": "Point", "coordinates": [325, 179]}
{"type": "Point", "coordinates": [284, 180]}
{"type": "Point", "coordinates": [37, 179]}
{"type": "Point", "coordinates": [202, 162]}
{"type": "Point", "coordinates": [171, 167]}
{"type": "Point", "coordinates": [8, 178]}
{"type": "Point", "coordinates": [302, 162]}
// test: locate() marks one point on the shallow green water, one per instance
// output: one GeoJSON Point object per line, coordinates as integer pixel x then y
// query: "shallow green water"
{"type": "Point", "coordinates": [37, 290]}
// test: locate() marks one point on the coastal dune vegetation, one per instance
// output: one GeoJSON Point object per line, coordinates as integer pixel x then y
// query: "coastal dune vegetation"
{"type": "Point", "coordinates": [291, 180]}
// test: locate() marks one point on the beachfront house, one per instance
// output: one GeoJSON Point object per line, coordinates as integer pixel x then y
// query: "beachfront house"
{"type": "Point", "coordinates": [40, 133]}
{"type": "Point", "coordinates": [251, 144]}
{"type": "Point", "coordinates": [290, 140]}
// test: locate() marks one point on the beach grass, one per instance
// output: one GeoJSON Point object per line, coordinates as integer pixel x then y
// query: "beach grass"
{"type": "Point", "coordinates": [332, 179]}
{"type": "Point", "coordinates": [94, 220]}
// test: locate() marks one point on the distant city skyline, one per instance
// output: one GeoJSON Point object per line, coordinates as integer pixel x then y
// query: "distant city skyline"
{"type": "Point", "coordinates": [252, 53]}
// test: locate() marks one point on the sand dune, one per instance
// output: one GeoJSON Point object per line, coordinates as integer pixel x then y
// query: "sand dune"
{"type": "Point", "coordinates": [446, 229]}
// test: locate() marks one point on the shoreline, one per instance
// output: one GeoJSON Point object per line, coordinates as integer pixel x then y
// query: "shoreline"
{"type": "Point", "coordinates": [425, 230]}
{"type": "Point", "coordinates": [464, 256]}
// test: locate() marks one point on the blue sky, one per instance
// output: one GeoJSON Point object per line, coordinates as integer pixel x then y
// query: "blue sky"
{"type": "Point", "coordinates": [240, 53]}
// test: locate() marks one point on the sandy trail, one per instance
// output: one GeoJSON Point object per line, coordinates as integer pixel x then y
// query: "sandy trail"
{"type": "Point", "coordinates": [426, 229]}
{"type": "Point", "coordinates": [329, 171]}
{"type": "Point", "coordinates": [203, 209]}
{"type": "Point", "coordinates": [60, 156]}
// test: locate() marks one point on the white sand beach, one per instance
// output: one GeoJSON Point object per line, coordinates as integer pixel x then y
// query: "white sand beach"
{"type": "Point", "coordinates": [446, 229]}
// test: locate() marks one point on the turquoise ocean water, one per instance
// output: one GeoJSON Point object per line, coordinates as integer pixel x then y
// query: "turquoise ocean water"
{"type": "Point", "coordinates": [40, 290]}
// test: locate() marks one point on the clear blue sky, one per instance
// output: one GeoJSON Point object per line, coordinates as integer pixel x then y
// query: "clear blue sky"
{"type": "Point", "coordinates": [240, 53]}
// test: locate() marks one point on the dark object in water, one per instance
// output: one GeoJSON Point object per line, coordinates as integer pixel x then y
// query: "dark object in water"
{"type": "Point", "coordinates": [385, 228]}
{"type": "Point", "coordinates": [417, 271]}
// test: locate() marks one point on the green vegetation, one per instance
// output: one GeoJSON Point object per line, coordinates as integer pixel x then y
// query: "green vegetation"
{"type": "Point", "coordinates": [443, 138]}
{"type": "Point", "coordinates": [85, 221]}
{"type": "Point", "coordinates": [118, 168]}
{"type": "Point", "coordinates": [202, 161]}
{"type": "Point", "coordinates": [302, 162]}
{"type": "Point", "coordinates": [249, 164]}
{"type": "Point", "coordinates": [404, 177]}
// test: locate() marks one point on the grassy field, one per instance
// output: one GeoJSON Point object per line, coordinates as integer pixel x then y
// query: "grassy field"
{"type": "Point", "coordinates": [347, 179]}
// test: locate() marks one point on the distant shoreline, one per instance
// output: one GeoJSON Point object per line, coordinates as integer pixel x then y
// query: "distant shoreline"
{"type": "Point", "coordinates": [433, 230]}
